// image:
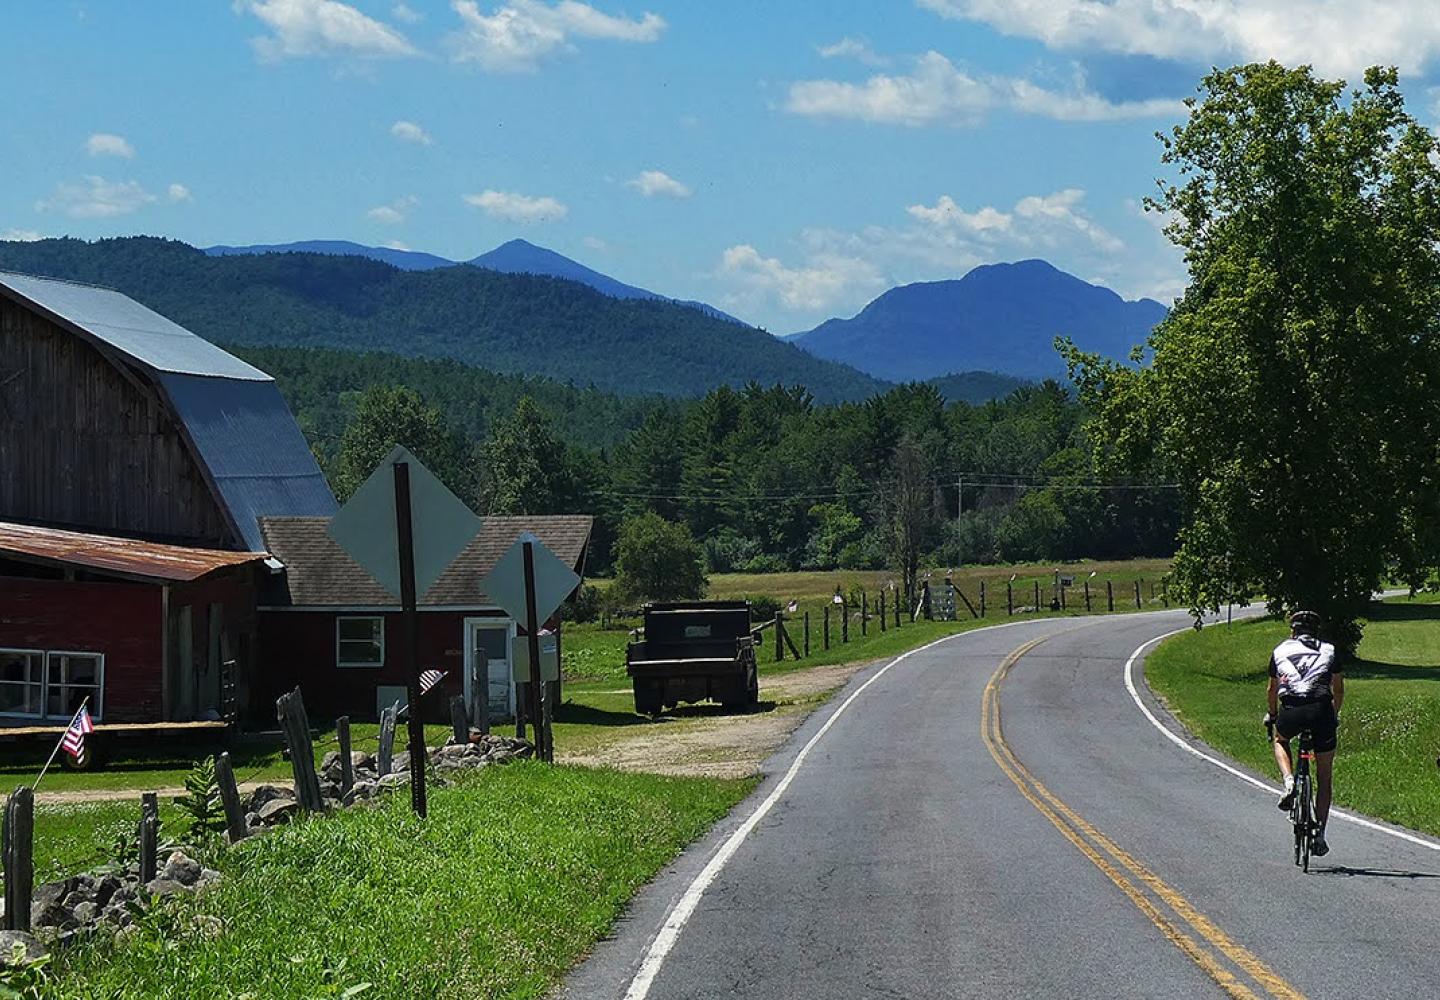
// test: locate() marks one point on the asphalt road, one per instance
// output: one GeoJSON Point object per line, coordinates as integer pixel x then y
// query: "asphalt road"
{"type": "Point", "coordinates": [918, 850]}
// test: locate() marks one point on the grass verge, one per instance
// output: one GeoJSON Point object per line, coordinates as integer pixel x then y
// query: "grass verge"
{"type": "Point", "coordinates": [1214, 681]}
{"type": "Point", "coordinates": [515, 874]}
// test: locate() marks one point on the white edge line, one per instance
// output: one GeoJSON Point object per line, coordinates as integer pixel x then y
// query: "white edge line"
{"type": "Point", "coordinates": [681, 912]}
{"type": "Point", "coordinates": [1248, 779]}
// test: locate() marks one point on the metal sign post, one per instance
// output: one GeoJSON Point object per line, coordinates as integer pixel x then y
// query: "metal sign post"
{"type": "Point", "coordinates": [410, 648]}
{"type": "Point", "coordinates": [532, 635]}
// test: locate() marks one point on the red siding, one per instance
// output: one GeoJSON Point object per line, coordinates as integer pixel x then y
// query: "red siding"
{"type": "Point", "coordinates": [120, 620]}
{"type": "Point", "coordinates": [298, 647]}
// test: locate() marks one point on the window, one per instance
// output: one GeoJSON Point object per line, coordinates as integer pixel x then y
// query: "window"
{"type": "Point", "coordinates": [70, 679]}
{"type": "Point", "coordinates": [50, 685]}
{"type": "Point", "coordinates": [22, 681]}
{"type": "Point", "coordinates": [359, 642]}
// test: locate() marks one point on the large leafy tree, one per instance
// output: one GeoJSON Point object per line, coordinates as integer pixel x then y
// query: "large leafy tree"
{"type": "Point", "coordinates": [658, 560]}
{"type": "Point", "coordinates": [1293, 390]}
{"type": "Point", "coordinates": [523, 468]}
{"type": "Point", "coordinates": [387, 415]}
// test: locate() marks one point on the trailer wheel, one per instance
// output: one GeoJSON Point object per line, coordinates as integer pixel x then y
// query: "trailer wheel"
{"type": "Point", "coordinates": [752, 693]}
{"type": "Point", "coordinates": [648, 697]}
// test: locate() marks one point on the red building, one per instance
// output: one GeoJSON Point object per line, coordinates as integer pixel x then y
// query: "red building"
{"type": "Point", "coordinates": [326, 625]}
{"type": "Point", "coordinates": [145, 632]}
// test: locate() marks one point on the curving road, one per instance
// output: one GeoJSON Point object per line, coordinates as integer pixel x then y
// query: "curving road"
{"type": "Point", "coordinates": [995, 816]}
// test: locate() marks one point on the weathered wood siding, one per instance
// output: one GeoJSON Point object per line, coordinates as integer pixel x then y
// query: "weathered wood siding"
{"type": "Point", "coordinates": [83, 446]}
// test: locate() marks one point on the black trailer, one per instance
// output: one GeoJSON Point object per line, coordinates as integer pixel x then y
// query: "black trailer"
{"type": "Point", "coordinates": [693, 650]}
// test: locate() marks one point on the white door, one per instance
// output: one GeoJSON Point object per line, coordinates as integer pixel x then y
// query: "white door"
{"type": "Point", "coordinates": [492, 636]}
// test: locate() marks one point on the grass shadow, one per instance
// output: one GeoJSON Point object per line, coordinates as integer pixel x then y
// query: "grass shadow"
{"type": "Point", "coordinates": [1403, 612]}
{"type": "Point", "coordinates": [1378, 670]}
{"type": "Point", "coordinates": [589, 715]}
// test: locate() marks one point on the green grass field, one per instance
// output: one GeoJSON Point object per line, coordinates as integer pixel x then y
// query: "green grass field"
{"type": "Point", "coordinates": [515, 874]}
{"type": "Point", "coordinates": [1214, 681]}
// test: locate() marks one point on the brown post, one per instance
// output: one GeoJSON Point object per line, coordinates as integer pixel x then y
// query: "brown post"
{"type": "Point", "coordinates": [844, 622]}
{"type": "Point", "coordinates": [1010, 599]}
{"type": "Point", "coordinates": [347, 766]}
{"type": "Point", "coordinates": [480, 694]}
{"type": "Point", "coordinates": [882, 610]}
{"type": "Point", "coordinates": [1165, 590]}
{"type": "Point", "coordinates": [864, 613]}
{"type": "Point", "coordinates": [1062, 588]}
{"type": "Point", "coordinates": [1137, 594]}
{"type": "Point", "coordinates": [19, 842]}
{"type": "Point", "coordinates": [532, 629]}
{"type": "Point", "coordinates": [522, 701]}
{"type": "Point", "coordinates": [1037, 595]}
{"type": "Point", "coordinates": [825, 629]}
{"type": "Point", "coordinates": [410, 630]}
{"type": "Point", "coordinates": [897, 610]}
{"type": "Point", "coordinates": [807, 635]}
{"type": "Point", "coordinates": [982, 598]}
{"type": "Point", "coordinates": [779, 640]}
{"type": "Point", "coordinates": [230, 793]}
{"type": "Point", "coordinates": [1110, 594]}
{"type": "Point", "coordinates": [290, 711]}
{"type": "Point", "coordinates": [459, 720]}
{"type": "Point", "coordinates": [149, 835]}
{"type": "Point", "coordinates": [385, 756]}
{"type": "Point", "coordinates": [1087, 596]}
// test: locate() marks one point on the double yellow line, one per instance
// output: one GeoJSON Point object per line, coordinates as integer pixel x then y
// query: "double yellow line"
{"type": "Point", "coordinates": [1187, 928]}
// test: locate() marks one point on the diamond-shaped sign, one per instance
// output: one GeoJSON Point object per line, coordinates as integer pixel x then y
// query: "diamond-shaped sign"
{"type": "Point", "coordinates": [441, 525]}
{"type": "Point", "coordinates": [554, 581]}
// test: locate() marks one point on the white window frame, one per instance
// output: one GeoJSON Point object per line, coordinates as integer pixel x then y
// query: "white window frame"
{"type": "Point", "coordinates": [44, 669]}
{"type": "Point", "coordinates": [341, 664]}
{"type": "Point", "coordinates": [97, 703]}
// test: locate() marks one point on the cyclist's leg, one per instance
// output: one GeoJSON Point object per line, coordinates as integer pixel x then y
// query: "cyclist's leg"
{"type": "Point", "coordinates": [1282, 757]}
{"type": "Point", "coordinates": [1324, 762]}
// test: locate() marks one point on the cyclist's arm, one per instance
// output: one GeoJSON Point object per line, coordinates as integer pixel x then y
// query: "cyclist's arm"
{"type": "Point", "coordinates": [1337, 690]}
{"type": "Point", "coordinates": [1272, 694]}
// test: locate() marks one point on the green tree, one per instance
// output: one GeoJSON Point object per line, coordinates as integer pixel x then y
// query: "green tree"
{"type": "Point", "coordinates": [1293, 393]}
{"type": "Point", "coordinates": [658, 560]}
{"type": "Point", "coordinates": [385, 416]}
{"type": "Point", "coordinates": [523, 468]}
{"type": "Point", "coordinates": [908, 499]}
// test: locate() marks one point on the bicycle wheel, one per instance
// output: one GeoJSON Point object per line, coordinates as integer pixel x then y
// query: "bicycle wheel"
{"type": "Point", "coordinates": [1306, 824]}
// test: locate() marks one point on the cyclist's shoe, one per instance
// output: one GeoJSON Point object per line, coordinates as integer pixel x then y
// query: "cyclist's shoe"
{"type": "Point", "coordinates": [1318, 847]}
{"type": "Point", "coordinates": [1288, 799]}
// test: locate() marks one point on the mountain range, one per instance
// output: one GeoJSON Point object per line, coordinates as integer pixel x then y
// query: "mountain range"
{"type": "Point", "coordinates": [513, 257]}
{"type": "Point", "coordinates": [997, 318]}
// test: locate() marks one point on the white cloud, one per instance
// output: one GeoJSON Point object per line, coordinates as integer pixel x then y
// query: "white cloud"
{"type": "Point", "coordinates": [394, 213]}
{"type": "Point", "coordinates": [109, 144]}
{"type": "Point", "coordinates": [596, 243]}
{"type": "Point", "coordinates": [513, 207]}
{"type": "Point", "coordinates": [1336, 36]}
{"type": "Point", "coordinates": [320, 28]}
{"type": "Point", "coordinates": [402, 12]}
{"type": "Point", "coordinates": [97, 198]}
{"type": "Point", "coordinates": [822, 281]}
{"type": "Point", "coordinates": [657, 183]}
{"type": "Point", "coordinates": [397, 245]}
{"type": "Point", "coordinates": [523, 32]}
{"type": "Point", "coordinates": [178, 193]}
{"type": "Point", "coordinates": [947, 213]}
{"type": "Point", "coordinates": [853, 48]}
{"type": "Point", "coordinates": [410, 132]}
{"type": "Point", "coordinates": [20, 235]}
{"type": "Point", "coordinates": [938, 92]}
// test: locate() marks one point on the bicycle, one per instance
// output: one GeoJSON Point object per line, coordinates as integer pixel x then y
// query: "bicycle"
{"type": "Point", "coordinates": [1302, 805]}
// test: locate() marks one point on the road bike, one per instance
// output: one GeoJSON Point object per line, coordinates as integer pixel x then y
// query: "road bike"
{"type": "Point", "coordinates": [1302, 805]}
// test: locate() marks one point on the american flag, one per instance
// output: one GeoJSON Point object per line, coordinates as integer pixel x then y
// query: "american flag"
{"type": "Point", "coordinates": [429, 678]}
{"type": "Point", "coordinates": [74, 739]}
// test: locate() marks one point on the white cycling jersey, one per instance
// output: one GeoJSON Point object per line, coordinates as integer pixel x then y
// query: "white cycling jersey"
{"type": "Point", "coordinates": [1304, 666]}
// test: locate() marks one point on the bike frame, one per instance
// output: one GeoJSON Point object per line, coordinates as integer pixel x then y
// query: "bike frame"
{"type": "Point", "coordinates": [1302, 810]}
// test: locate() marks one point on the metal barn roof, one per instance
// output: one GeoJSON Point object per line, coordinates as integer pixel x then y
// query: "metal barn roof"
{"type": "Point", "coordinates": [120, 322]}
{"type": "Point", "coordinates": [244, 435]}
{"type": "Point", "coordinates": [123, 556]}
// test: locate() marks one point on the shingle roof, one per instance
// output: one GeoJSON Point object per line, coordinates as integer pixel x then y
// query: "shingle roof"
{"type": "Point", "coordinates": [123, 556]}
{"type": "Point", "coordinates": [120, 322]}
{"type": "Point", "coordinates": [318, 573]}
{"type": "Point", "coordinates": [244, 434]}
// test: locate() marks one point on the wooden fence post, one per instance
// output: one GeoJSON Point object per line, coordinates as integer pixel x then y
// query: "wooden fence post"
{"type": "Point", "coordinates": [522, 700]}
{"type": "Point", "coordinates": [1037, 595]}
{"type": "Point", "coordinates": [230, 792]}
{"type": "Point", "coordinates": [864, 613]}
{"type": "Point", "coordinates": [982, 598]}
{"type": "Point", "coordinates": [882, 611]}
{"type": "Point", "coordinates": [480, 694]}
{"type": "Point", "coordinates": [19, 862]}
{"type": "Point", "coordinates": [547, 723]}
{"type": "Point", "coordinates": [1010, 600]}
{"type": "Point", "coordinates": [1062, 588]}
{"type": "Point", "coordinates": [347, 764]}
{"type": "Point", "coordinates": [785, 635]}
{"type": "Point", "coordinates": [1137, 594]}
{"type": "Point", "coordinates": [459, 719]}
{"type": "Point", "coordinates": [149, 834]}
{"type": "Point", "coordinates": [779, 639]}
{"type": "Point", "coordinates": [807, 635]}
{"type": "Point", "coordinates": [385, 757]}
{"type": "Point", "coordinates": [290, 710]}
{"type": "Point", "coordinates": [844, 622]}
{"type": "Point", "coordinates": [897, 609]}
{"type": "Point", "coordinates": [1165, 590]}
{"type": "Point", "coordinates": [1110, 594]}
{"type": "Point", "coordinates": [825, 629]}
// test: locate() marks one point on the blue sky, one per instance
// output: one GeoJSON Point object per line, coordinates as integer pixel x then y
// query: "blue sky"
{"type": "Point", "coordinates": [785, 161]}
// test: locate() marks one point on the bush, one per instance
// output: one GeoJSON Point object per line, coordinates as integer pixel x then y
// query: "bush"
{"type": "Point", "coordinates": [763, 607]}
{"type": "Point", "coordinates": [657, 560]}
{"type": "Point", "coordinates": [727, 550]}
{"type": "Point", "coordinates": [584, 606]}
{"type": "Point", "coordinates": [765, 564]}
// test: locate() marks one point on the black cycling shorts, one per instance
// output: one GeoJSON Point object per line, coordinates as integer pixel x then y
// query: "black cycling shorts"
{"type": "Point", "coordinates": [1316, 716]}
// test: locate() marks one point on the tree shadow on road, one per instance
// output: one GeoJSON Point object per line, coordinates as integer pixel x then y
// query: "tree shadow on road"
{"type": "Point", "coordinates": [1371, 872]}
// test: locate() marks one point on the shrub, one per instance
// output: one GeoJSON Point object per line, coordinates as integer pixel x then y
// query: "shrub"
{"type": "Point", "coordinates": [657, 559]}
{"type": "Point", "coordinates": [763, 607]}
{"type": "Point", "coordinates": [584, 606]}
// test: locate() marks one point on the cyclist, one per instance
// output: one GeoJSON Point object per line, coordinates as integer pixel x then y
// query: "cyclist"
{"type": "Point", "coordinates": [1306, 689]}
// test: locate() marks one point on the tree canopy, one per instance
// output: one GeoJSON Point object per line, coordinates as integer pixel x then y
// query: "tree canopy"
{"type": "Point", "coordinates": [1294, 387]}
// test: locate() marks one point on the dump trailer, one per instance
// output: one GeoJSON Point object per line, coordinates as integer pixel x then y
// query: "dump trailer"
{"type": "Point", "coordinates": [693, 650]}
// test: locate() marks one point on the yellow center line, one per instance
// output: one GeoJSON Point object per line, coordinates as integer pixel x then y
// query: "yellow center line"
{"type": "Point", "coordinates": [1076, 829]}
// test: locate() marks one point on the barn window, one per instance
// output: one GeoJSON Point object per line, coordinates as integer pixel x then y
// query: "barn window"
{"type": "Point", "coordinates": [22, 681]}
{"type": "Point", "coordinates": [360, 642]}
{"type": "Point", "coordinates": [71, 678]}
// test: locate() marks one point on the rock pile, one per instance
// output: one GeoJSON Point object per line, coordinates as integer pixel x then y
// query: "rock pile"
{"type": "Point", "coordinates": [272, 804]}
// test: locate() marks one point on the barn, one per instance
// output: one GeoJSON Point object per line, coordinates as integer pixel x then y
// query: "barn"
{"type": "Point", "coordinates": [327, 626]}
{"type": "Point", "coordinates": [138, 459]}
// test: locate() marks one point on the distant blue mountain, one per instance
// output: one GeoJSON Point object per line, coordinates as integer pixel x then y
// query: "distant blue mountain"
{"type": "Point", "coordinates": [405, 260]}
{"type": "Point", "coordinates": [514, 257]}
{"type": "Point", "coordinates": [1000, 318]}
